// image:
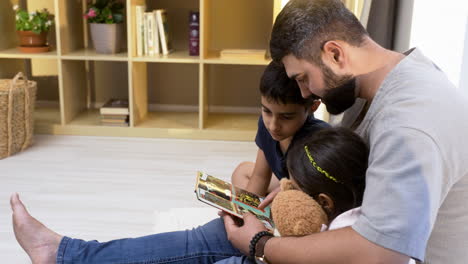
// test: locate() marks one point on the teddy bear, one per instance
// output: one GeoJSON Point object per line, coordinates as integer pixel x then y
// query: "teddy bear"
{"type": "Point", "coordinates": [295, 213]}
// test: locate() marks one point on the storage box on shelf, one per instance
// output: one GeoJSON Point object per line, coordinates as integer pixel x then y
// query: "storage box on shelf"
{"type": "Point", "coordinates": [174, 95]}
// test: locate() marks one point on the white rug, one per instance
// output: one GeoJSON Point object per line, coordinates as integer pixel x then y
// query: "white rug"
{"type": "Point", "coordinates": [176, 219]}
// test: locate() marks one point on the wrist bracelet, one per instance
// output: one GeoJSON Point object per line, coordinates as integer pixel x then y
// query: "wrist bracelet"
{"type": "Point", "coordinates": [254, 241]}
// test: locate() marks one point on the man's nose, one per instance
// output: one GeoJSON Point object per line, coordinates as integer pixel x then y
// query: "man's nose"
{"type": "Point", "coordinates": [305, 91]}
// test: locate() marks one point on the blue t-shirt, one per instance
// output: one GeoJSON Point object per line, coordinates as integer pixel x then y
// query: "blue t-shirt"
{"type": "Point", "coordinates": [271, 148]}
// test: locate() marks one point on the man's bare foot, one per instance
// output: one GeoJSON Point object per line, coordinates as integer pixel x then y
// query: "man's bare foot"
{"type": "Point", "coordinates": [37, 240]}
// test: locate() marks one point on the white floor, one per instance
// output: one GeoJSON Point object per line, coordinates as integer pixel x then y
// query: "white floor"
{"type": "Point", "coordinates": [107, 188]}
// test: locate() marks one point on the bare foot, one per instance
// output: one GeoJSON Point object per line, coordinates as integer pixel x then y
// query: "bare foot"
{"type": "Point", "coordinates": [37, 240]}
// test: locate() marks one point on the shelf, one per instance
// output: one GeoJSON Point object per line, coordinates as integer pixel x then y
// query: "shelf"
{"type": "Point", "coordinates": [174, 57]}
{"type": "Point", "coordinates": [91, 55]}
{"type": "Point", "coordinates": [170, 96]}
{"type": "Point", "coordinates": [225, 121]}
{"type": "Point", "coordinates": [214, 58]}
{"type": "Point", "coordinates": [90, 117]}
{"type": "Point", "coordinates": [47, 115]}
{"type": "Point", "coordinates": [170, 120]}
{"type": "Point", "coordinates": [16, 54]}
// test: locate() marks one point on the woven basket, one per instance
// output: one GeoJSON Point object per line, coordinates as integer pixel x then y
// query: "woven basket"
{"type": "Point", "coordinates": [17, 98]}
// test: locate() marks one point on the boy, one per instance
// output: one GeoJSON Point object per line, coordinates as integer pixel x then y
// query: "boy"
{"type": "Point", "coordinates": [286, 116]}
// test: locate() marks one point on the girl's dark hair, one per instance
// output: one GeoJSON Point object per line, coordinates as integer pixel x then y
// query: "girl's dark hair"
{"type": "Point", "coordinates": [304, 26]}
{"type": "Point", "coordinates": [275, 85]}
{"type": "Point", "coordinates": [342, 154]}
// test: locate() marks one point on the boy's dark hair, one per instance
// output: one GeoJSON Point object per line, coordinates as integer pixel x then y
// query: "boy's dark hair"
{"type": "Point", "coordinates": [342, 154]}
{"type": "Point", "coordinates": [304, 26]}
{"type": "Point", "coordinates": [275, 85]}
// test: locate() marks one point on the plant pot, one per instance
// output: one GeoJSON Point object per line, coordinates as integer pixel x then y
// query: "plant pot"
{"type": "Point", "coordinates": [107, 38]}
{"type": "Point", "coordinates": [31, 39]}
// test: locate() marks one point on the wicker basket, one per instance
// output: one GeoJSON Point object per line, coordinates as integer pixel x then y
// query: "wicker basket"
{"type": "Point", "coordinates": [17, 98]}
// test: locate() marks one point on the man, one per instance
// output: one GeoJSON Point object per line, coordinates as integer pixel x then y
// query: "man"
{"type": "Point", "coordinates": [414, 121]}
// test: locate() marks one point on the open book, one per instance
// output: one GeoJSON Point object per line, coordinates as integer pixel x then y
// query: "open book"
{"type": "Point", "coordinates": [231, 199]}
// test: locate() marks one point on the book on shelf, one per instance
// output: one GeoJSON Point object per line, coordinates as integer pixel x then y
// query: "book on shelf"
{"type": "Point", "coordinates": [149, 27]}
{"type": "Point", "coordinates": [140, 28]}
{"type": "Point", "coordinates": [107, 119]}
{"type": "Point", "coordinates": [194, 33]}
{"type": "Point", "coordinates": [154, 26]}
{"type": "Point", "coordinates": [115, 107]}
{"type": "Point", "coordinates": [164, 34]}
{"type": "Point", "coordinates": [114, 117]}
{"type": "Point", "coordinates": [231, 199]}
{"type": "Point", "coordinates": [258, 54]}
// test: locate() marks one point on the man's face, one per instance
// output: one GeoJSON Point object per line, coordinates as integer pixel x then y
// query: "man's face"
{"type": "Point", "coordinates": [338, 93]}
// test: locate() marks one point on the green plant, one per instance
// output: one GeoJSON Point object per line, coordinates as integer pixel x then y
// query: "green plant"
{"type": "Point", "coordinates": [105, 12]}
{"type": "Point", "coordinates": [37, 22]}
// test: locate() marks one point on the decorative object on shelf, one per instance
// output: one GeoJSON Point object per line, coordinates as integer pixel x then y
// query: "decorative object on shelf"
{"type": "Point", "coordinates": [105, 18]}
{"type": "Point", "coordinates": [17, 99]}
{"type": "Point", "coordinates": [32, 29]}
{"type": "Point", "coordinates": [194, 34]}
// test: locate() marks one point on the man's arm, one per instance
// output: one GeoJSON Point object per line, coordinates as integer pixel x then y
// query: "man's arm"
{"type": "Point", "coordinates": [336, 246]}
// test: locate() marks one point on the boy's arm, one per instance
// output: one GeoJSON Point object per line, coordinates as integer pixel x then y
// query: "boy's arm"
{"type": "Point", "coordinates": [261, 175]}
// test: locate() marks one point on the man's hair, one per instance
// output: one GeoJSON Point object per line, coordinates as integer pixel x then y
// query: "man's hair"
{"type": "Point", "coordinates": [304, 26]}
{"type": "Point", "coordinates": [276, 86]}
{"type": "Point", "coordinates": [340, 153]}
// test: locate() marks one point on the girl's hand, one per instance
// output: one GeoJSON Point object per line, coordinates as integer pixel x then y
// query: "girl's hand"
{"type": "Point", "coordinates": [269, 198]}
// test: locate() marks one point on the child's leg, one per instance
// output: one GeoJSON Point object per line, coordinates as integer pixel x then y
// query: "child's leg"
{"type": "Point", "coordinates": [241, 175]}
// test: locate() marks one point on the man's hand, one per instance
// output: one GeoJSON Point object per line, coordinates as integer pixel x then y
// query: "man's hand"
{"type": "Point", "coordinates": [240, 236]}
{"type": "Point", "coordinates": [269, 198]}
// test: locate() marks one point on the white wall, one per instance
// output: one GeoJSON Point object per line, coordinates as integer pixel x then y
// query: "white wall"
{"type": "Point", "coordinates": [439, 29]}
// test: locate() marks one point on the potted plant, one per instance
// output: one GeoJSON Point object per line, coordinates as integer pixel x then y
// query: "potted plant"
{"type": "Point", "coordinates": [32, 29]}
{"type": "Point", "coordinates": [105, 18]}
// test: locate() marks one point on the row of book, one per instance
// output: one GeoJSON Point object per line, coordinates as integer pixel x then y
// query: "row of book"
{"type": "Point", "coordinates": [153, 36]}
{"type": "Point", "coordinates": [115, 112]}
{"type": "Point", "coordinates": [152, 32]}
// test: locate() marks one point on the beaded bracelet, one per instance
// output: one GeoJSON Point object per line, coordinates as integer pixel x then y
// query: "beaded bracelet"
{"type": "Point", "coordinates": [254, 241]}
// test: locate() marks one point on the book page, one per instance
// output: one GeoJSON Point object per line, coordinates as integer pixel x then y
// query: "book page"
{"type": "Point", "coordinates": [233, 200]}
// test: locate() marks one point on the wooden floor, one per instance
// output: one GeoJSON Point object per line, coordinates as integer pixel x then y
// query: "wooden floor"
{"type": "Point", "coordinates": [107, 188]}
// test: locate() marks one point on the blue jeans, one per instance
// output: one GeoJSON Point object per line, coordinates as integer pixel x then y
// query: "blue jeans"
{"type": "Point", "coordinates": [204, 244]}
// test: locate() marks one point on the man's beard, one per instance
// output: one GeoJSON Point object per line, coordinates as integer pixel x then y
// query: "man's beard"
{"type": "Point", "coordinates": [340, 93]}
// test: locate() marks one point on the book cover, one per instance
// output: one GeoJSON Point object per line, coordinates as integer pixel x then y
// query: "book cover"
{"type": "Point", "coordinates": [233, 200]}
{"type": "Point", "coordinates": [115, 107]}
{"type": "Point", "coordinates": [140, 27]}
{"type": "Point", "coordinates": [157, 49]}
{"type": "Point", "coordinates": [114, 121]}
{"type": "Point", "coordinates": [164, 34]}
{"type": "Point", "coordinates": [194, 33]}
{"type": "Point", "coordinates": [149, 33]}
{"type": "Point", "coordinates": [145, 35]}
{"type": "Point", "coordinates": [118, 117]}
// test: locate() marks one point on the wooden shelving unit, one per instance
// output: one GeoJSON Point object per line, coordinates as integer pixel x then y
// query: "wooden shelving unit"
{"type": "Point", "coordinates": [174, 96]}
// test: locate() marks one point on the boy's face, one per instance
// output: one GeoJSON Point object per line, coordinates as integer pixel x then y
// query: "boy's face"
{"type": "Point", "coordinates": [282, 120]}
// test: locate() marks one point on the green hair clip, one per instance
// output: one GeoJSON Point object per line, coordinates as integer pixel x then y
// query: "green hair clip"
{"type": "Point", "coordinates": [318, 168]}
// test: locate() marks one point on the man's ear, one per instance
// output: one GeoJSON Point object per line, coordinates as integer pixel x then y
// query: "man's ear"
{"type": "Point", "coordinates": [327, 203]}
{"type": "Point", "coordinates": [333, 55]}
